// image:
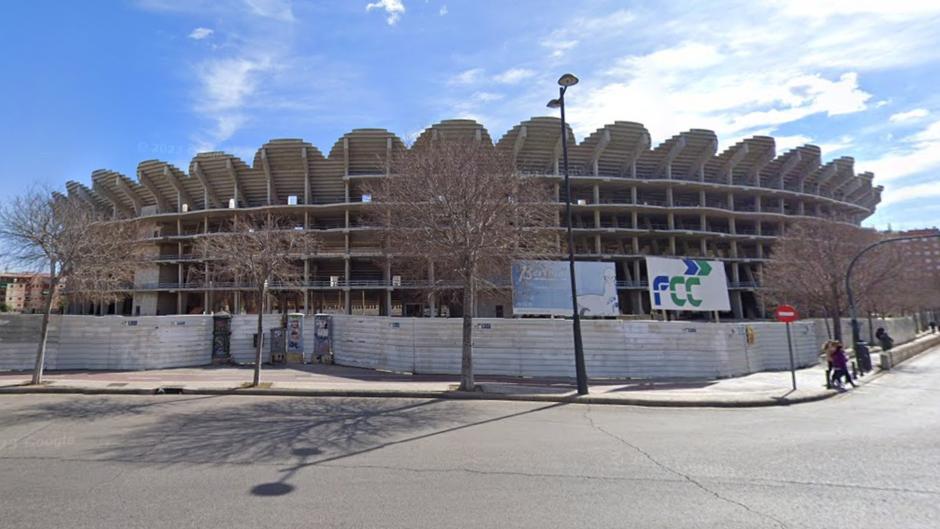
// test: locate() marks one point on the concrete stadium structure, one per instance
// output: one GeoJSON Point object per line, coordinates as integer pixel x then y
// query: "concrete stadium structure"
{"type": "Point", "coordinates": [681, 197]}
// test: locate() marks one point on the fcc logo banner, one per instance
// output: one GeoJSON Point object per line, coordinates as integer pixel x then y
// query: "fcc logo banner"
{"type": "Point", "coordinates": [687, 284]}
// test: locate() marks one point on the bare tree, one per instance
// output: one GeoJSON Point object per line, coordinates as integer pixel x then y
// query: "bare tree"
{"type": "Point", "coordinates": [79, 246]}
{"type": "Point", "coordinates": [460, 205]}
{"type": "Point", "coordinates": [259, 251]}
{"type": "Point", "coordinates": [808, 266]}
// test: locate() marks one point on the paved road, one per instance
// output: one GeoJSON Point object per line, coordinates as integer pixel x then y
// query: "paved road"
{"type": "Point", "coordinates": [869, 458]}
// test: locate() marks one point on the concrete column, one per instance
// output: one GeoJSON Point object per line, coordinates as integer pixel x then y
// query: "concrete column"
{"type": "Point", "coordinates": [597, 194]}
{"type": "Point", "coordinates": [737, 304]}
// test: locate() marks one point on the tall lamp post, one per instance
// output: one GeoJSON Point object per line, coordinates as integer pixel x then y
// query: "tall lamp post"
{"type": "Point", "coordinates": [564, 82]}
{"type": "Point", "coordinates": [853, 314]}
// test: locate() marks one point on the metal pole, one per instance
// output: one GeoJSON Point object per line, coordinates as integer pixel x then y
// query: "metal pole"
{"type": "Point", "coordinates": [792, 363]}
{"type": "Point", "coordinates": [580, 370]}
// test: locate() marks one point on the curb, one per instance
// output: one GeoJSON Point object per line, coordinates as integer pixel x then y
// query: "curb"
{"type": "Point", "coordinates": [451, 395]}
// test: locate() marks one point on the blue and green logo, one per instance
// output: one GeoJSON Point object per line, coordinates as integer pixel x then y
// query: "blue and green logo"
{"type": "Point", "coordinates": [681, 288]}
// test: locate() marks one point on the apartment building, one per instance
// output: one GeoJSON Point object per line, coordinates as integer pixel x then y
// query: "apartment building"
{"type": "Point", "coordinates": [25, 292]}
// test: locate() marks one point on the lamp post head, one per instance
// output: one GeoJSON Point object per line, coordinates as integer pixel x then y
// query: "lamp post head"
{"type": "Point", "coordinates": [554, 103]}
{"type": "Point", "coordinates": [567, 80]}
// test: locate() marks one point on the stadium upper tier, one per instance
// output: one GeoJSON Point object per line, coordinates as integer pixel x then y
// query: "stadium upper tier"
{"type": "Point", "coordinates": [286, 168]}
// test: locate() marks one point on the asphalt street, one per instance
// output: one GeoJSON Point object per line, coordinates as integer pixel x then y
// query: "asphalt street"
{"type": "Point", "coordinates": [868, 458]}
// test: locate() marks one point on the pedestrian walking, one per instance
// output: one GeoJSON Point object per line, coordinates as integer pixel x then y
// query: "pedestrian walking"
{"type": "Point", "coordinates": [826, 351]}
{"type": "Point", "coordinates": [933, 327]}
{"type": "Point", "coordinates": [884, 339]}
{"type": "Point", "coordinates": [840, 366]}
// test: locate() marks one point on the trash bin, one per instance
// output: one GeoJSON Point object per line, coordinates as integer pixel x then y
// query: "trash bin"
{"type": "Point", "coordinates": [863, 354]}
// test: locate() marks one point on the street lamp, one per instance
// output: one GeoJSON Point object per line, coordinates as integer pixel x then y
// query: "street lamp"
{"type": "Point", "coordinates": [853, 313]}
{"type": "Point", "coordinates": [564, 82]}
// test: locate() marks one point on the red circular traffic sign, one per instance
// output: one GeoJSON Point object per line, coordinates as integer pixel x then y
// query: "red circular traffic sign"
{"type": "Point", "coordinates": [786, 314]}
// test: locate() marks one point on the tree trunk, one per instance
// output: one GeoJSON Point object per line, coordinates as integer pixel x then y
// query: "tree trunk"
{"type": "Point", "coordinates": [44, 328]}
{"type": "Point", "coordinates": [466, 361]}
{"type": "Point", "coordinates": [836, 325]}
{"type": "Point", "coordinates": [260, 346]}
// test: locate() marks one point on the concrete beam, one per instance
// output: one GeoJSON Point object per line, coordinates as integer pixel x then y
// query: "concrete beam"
{"type": "Point", "coordinates": [303, 157]}
{"type": "Point", "coordinates": [674, 152]}
{"type": "Point", "coordinates": [272, 189]}
{"type": "Point", "coordinates": [209, 193]}
{"type": "Point", "coordinates": [128, 192]}
{"type": "Point", "coordinates": [599, 150]}
{"type": "Point", "coordinates": [236, 184]}
{"type": "Point", "coordinates": [727, 170]}
{"type": "Point", "coordinates": [161, 200]}
{"type": "Point", "coordinates": [116, 205]}
{"type": "Point", "coordinates": [519, 143]}
{"type": "Point", "coordinates": [184, 197]}
{"type": "Point", "coordinates": [629, 162]}
{"type": "Point", "coordinates": [698, 165]}
{"type": "Point", "coordinates": [556, 154]}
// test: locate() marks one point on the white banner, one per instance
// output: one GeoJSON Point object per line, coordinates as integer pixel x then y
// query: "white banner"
{"type": "Point", "coordinates": [544, 287]}
{"type": "Point", "coordinates": [687, 284]}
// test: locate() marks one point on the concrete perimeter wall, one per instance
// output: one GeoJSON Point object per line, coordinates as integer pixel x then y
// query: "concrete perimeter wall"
{"type": "Point", "coordinates": [516, 347]}
{"type": "Point", "coordinates": [902, 329]}
{"type": "Point", "coordinates": [106, 342]}
{"type": "Point", "coordinates": [537, 347]}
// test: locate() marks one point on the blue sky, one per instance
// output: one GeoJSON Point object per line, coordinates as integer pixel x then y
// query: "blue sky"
{"type": "Point", "coordinates": [89, 85]}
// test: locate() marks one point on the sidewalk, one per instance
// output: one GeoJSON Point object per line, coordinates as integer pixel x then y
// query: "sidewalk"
{"type": "Point", "coordinates": [759, 389]}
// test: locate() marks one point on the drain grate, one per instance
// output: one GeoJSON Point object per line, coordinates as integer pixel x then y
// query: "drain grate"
{"type": "Point", "coordinates": [169, 390]}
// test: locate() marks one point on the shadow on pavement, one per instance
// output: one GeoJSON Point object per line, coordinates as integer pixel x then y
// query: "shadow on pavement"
{"type": "Point", "coordinates": [84, 408]}
{"type": "Point", "coordinates": [290, 434]}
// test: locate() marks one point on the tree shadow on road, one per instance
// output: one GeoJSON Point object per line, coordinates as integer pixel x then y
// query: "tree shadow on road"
{"type": "Point", "coordinates": [289, 435]}
{"type": "Point", "coordinates": [89, 408]}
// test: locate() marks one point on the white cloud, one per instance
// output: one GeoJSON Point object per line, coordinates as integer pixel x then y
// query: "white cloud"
{"type": "Point", "coordinates": [226, 86]}
{"type": "Point", "coordinates": [470, 76]}
{"type": "Point", "coordinates": [784, 143]}
{"type": "Point", "coordinates": [841, 144]}
{"type": "Point", "coordinates": [513, 75]}
{"type": "Point", "coordinates": [559, 47]}
{"type": "Point", "coordinates": [898, 194]}
{"type": "Point", "coordinates": [910, 115]}
{"type": "Point", "coordinates": [276, 9]}
{"type": "Point", "coordinates": [280, 10]}
{"type": "Point", "coordinates": [442, 11]}
{"type": "Point", "coordinates": [701, 85]}
{"type": "Point", "coordinates": [200, 33]}
{"type": "Point", "coordinates": [832, 8]}
{"type": "Point", "coordinates": [394, 8]}
{"type": "Point", "coordinates": [486, 97]}
{"type": "Point", "coordinates": [915, 154]}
